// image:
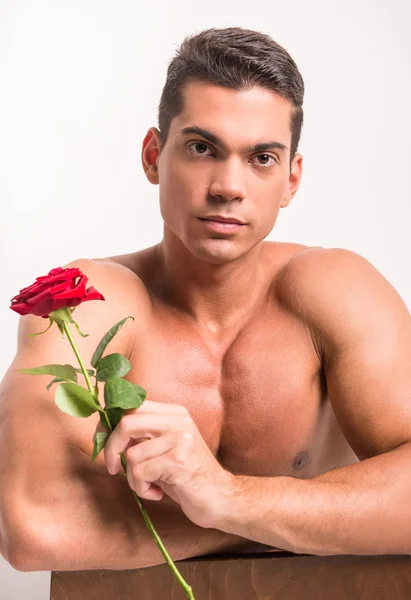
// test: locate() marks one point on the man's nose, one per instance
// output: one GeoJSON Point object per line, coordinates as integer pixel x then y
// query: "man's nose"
{"type": "Point", "coordinates": [228, 181]}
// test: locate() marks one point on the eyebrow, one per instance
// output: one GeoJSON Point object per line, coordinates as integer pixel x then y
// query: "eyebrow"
{"type": "Point", "coordinates": [214, 139]}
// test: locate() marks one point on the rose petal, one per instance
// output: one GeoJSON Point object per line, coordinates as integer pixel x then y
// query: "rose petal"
{"type": "Point", "coordinates": [60, 288]}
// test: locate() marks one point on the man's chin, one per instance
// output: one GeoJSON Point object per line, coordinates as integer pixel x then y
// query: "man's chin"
{"type": "Point", "coordinates": [217, 251]}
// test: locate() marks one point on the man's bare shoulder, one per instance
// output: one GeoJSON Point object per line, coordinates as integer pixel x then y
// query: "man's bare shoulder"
{"type": "Point", "coordinates": [333, 290]}
{"type": "Point", "coordinates": [118, 274]}
{"type": "Point", "coordinates": [316, 272]}
{"type": "Point", "coordinates": [124, 295]}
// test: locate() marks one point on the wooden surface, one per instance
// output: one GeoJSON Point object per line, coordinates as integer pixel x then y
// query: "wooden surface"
{"type": "Point", "coordinates": [282, 576]}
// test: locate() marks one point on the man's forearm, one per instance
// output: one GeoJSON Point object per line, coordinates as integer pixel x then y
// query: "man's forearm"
{"type": "Point", "coordinates": [121, 546]}
{"type": "Point", "coordinates": [359, 509]}
{"type": "Point", "coordinates": [100, 526]}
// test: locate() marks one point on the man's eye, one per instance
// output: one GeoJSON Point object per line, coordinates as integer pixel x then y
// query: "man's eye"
{"type": "Point", "coordinates": [265, 160]}
{"type": "Point", "coordinates": [198, 148]}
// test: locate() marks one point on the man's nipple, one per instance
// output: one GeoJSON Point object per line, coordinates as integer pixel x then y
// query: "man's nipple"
{"type": "Point", "coordinates": [301, 459]}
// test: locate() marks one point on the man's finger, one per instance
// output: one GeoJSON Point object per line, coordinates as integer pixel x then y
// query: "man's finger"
{"type": "Point", "coordinates": [147, 449]}
{"type": "Point", "coordinates": [136, 427]}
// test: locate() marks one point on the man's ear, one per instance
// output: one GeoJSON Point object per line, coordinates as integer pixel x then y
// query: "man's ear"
{"type": "Point", "coordinates": [149, 154]}
{"type": "Point", "coordinates": [294, 179]}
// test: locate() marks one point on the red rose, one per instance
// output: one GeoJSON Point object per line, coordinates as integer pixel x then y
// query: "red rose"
{"type": "Point", "coordinates": [60, 288]}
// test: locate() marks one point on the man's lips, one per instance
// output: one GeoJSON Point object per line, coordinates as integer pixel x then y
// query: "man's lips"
{"type": "Point", "coordinates": [222, 219]}
{"type": "Point", "coordinates": [222, 225]}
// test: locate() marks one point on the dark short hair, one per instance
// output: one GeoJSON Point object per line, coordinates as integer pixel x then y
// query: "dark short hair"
{"type": "Point", "coordinates": [236, 58]}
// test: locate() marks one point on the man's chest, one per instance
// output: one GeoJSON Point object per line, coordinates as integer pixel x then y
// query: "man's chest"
{"type": "Point", "coordinates": [260, 403]}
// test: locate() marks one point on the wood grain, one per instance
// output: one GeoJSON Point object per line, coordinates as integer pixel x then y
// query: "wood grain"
{"type": "Point", "coordinates": [284, 576]}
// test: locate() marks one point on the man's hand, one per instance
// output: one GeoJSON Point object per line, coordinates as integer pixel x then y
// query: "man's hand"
{"type": "Point", "coordinates": [165, 452]}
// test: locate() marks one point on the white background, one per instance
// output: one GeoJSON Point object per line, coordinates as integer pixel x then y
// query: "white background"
{"type": "Point", "coordinates": [81, 81]}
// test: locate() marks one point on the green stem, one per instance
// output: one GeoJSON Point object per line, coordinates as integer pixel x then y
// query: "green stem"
{"type": "Point", "coordinates": [80, 360]}
{"type": "Point", "coordinates": [187, 588]}
{"type": "Point", "coordinates": [149, 524]}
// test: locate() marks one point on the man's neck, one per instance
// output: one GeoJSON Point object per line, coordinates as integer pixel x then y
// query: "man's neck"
{"type": "Point", "coordinates": [216, 296]}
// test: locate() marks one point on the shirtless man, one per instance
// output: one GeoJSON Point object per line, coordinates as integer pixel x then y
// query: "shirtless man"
{"type": "Point", "coordinates": [278, 375]}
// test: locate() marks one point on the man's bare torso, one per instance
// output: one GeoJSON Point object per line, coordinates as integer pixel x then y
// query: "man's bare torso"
{"type": "Point", "coordinates": [257, 392]}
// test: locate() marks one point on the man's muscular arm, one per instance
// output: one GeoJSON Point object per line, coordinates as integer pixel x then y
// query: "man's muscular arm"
{"type": "Point", "coordinates": [362, 330]}
{"type": "Point", "coordinates": [58, 510]}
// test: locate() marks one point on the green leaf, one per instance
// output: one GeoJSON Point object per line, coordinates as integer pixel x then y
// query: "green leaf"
{"type": "Point", "coordinates": [65, 372]}
{"type": "Point", "coordinates": [99, 443]}
{"type": "Point", "coordinates": [75, 400]}
{"type": "Point", "coordinates": [120, 393]}
{"type": "Point", "coordinates": [89, 371]}
{"type": "Point", "coordinates": [55, 380]}
{"type": "Point", "coordinates": [114, 416]}
{"type": "Point", "coordinates": [112, 365]}
{"type": "Point", "coordinates": [98, 353]}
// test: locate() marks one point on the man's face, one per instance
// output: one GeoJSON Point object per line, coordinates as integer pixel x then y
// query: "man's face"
{"type": "Point", "coordinates": [227, 156]}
